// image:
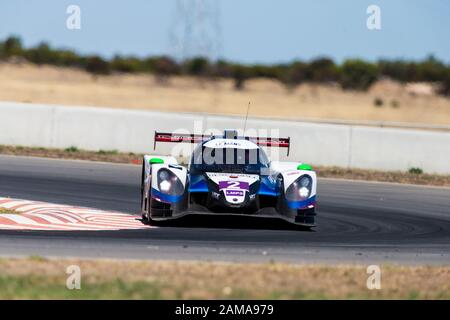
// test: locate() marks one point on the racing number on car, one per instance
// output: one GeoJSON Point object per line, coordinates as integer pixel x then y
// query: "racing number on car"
{"type": "Point", "coordinates": [233, 185]}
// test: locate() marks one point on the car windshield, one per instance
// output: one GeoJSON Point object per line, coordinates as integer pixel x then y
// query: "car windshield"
{"type": "Point", "coordinates": [231, 160]}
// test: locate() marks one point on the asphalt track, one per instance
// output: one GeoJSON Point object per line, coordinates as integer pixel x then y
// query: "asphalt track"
{"type": "Point", "coordinates": [358, 222]}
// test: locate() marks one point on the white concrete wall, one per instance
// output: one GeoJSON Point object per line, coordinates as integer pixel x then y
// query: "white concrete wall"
{"type": "Point", "coordinates": [132, 131]}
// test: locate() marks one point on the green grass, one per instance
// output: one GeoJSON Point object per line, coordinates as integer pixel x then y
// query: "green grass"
{"type": "Point", "coordinates": [41, 278]}
{"type": "Point", "coordinates": [37, 258]}
{"type": "Point", "coordinates": [72, 149]}
{"type": "Point", "coordinates": [108, 152]}
{"type": "Point", "coordinates": [39, 287]}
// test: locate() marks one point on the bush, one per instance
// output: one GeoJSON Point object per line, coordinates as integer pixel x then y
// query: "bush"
{"type": "Point", "coordinates": [71, 149]}
{"type": "Point", "coordinates": [197, 67]}
{"type": "Point", "coordinates": [415, 171]}
{"type": "Point", "coordinates": [378, 102]}
{"type": "Point", "coordinates": [129, 64]}
{"type": "Point", "coordinates": [358, 75]}
{"type": "Point", "coordinates": [395, 104]}
{"type": "Point", "coordinates": [108, 152]}
{"type": "Point", "coordinates": [97, 65]}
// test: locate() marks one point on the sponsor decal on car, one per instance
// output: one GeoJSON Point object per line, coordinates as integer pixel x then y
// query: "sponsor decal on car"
{"type": "Point", "coordinates": [241, 185]}
{"type": "Point", "coordinates": [234, 193]}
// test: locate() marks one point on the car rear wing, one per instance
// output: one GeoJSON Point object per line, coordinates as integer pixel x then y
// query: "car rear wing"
{"type": "Point", "coordinates": [179, 137]}
{"type": "Point", "coordinates": [272, 142]}
{"type": "Point", "coordinates": [197, 138]}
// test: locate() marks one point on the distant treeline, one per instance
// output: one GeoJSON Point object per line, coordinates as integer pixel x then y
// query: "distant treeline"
{"type": "Point", "coordinates": [351, 74]}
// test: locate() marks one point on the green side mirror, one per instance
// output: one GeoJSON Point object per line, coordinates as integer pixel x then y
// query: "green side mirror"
{"type": "Point", "coordinates": [156, 161]}
{"type": "Point", "coordinates": [304, 166]}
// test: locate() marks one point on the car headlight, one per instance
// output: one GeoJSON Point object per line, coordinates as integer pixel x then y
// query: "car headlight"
{"type": "Point", "coordinates": [303, 192]}
{"type": "Point", "coordinates": [165, 185]}
{"type": "Point", "coordinates": [300, 189]}
{"type": "Point", "coordinates": [169, 183]}
{"type": "Point", "coordinates": [163, 174]}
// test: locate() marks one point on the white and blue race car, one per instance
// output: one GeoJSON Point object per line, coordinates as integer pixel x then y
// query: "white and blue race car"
{"type": "Point", "coordinates": [227, 174]}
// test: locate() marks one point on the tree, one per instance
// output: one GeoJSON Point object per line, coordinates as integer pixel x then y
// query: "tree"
{"type": "Point", "coordinates": [41, 54]}
{"type": "Point", "coordinates": [322, 70]}
{"type": "Point", "coordinates": [126, 64]}
{"type": "Point", "coordinates": [431, 70]}
{"type": "Point", "coordinates": [358, 75]}
{"type": "Point", "coordinates": [239, 74]}
{"type": "Point", "coordinates": [198, 66]}
{"type": "Point", "coordinates": [222, 69]}
{"type": "Point", "coordinates": [164, 67]}
{"type": "Point", "coordinates": [296, 74]}
{"type": "Point", "coordinates": [445, 88]}
{"type": "Point", "coordinates": [399, 70]}
{"type": "Point", "coordinates": [97, 65]}
{"type": "Point", "coordinates": [12, 47]}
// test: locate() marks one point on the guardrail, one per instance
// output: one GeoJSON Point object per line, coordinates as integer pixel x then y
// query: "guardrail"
{"type": "Point", "coordinates": [343, 145]}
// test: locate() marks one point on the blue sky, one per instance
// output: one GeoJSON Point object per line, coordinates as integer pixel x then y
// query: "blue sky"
{"type": "Point", "coordinates": [264, 31]}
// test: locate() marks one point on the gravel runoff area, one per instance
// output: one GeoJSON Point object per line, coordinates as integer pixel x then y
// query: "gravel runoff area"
{"type": "Point", "coordinates": [413, 176]}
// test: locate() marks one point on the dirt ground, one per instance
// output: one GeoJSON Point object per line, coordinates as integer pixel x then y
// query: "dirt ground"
{"type": "Point", "coordinates": [46, 84]}
{"type": "Point", "coordinates": [39, 278]}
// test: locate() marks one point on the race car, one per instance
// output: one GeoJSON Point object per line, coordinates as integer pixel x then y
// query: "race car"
{"type": "Point", "coordinates": [227, 174]}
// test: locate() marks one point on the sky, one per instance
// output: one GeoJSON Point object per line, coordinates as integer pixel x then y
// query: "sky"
{"type": "Point", "coordinates": [248, 31]}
